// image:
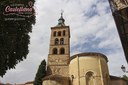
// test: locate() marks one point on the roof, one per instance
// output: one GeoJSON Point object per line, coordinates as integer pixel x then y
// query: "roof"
{"type": "Point", "coordinates": [116, 78]}
{"type": "Point", "coordinates": [2, 84]}
{"type": "Point", "coordinates": [91, 54]}
{"type": "Point", "coordinates": [55, 76]}
{"type": "Point", "coordinates": [29, 82]}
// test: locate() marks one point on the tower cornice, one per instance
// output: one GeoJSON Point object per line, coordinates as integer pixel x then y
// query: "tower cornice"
{"type": "Point", "coordinates": [60, 27]}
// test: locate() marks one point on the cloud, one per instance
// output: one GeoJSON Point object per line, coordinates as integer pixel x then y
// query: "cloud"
{"type": "Point", "coordinates": [92, 28]}
{"type": "Point", "coordinates": [116, 59]}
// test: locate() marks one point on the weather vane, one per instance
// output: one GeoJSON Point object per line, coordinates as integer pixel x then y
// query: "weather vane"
{"type": "Point", "coordinates": [62, 11]}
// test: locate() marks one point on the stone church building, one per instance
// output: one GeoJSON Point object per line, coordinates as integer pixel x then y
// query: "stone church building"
{"type": "Point", "coordinates": [80, 69]}
{"type": "Point", "coordinates": [87, 68]}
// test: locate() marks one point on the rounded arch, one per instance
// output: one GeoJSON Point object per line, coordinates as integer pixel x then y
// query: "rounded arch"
{"type": "Point", "coordinates": [89, 78]}
{"type": "Point", "coordinates": [56, 41]}
{"type": "Point", "coordinates": [63, 32]}
{"type": "Point", "coordinates": [54, 33]}
{"type": "Point", "coordinates": [89, 73]}
{"type": "Point", "coordinates": [62, 51]}
{"type": "Point", "coordinates": [54, 51]}
{"type": "Point", "coordinates": [61, 41]}
{"type": "Point", "coordinates": [59, 33]}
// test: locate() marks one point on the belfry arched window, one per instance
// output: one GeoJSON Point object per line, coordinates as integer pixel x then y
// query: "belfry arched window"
{"type": "Point", "coordinates": [61, 41]}
{"type": "Point", "coordinates": [54, 51]}
{"type": "Point", "coordinates": [64, 33]}
{"type": "Point", "coordinates": [89, 78]}
{"type": "Point", "coordinates": [54, 34]}
{"type": "Point", "coordinates": [59, 33]}
{"type": "Point", "coordinates": [62, 51]}
{"type": "Point", "coordinates": [56, 41]}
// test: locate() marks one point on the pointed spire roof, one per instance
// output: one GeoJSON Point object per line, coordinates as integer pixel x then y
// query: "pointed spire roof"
{"type": "Point", "coordinates": [61, 20]}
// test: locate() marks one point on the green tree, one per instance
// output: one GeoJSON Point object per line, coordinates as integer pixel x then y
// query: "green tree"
{"type": "Point", "coordinates": [126, 78]}
{"type": "Point", "coordinates": [40, 73]}
{"type": "Point", "coordinates": [14, 33]}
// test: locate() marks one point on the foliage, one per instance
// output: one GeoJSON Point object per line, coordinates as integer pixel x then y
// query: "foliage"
{"type": "Point", "coordinates": [40, 73]}
{"type": "Point", "coordinates": [14, 38]}
{"type": "Point", "coordinates": [125, 77]}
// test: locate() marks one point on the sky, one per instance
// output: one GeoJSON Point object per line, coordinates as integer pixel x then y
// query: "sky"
{"type": "Point", "coordinates": [92, 29]}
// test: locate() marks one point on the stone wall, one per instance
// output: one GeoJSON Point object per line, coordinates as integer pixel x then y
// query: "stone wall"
{"type": "Point", "coordinates": [89, 68]}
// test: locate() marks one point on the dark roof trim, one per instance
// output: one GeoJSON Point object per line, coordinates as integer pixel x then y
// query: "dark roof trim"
{"type": "Point", "coordinates": [89, 54]}
{"type": "Point", "coordinates": [59, 27]}
{"type": "Point", "coordinates": [30, 82]}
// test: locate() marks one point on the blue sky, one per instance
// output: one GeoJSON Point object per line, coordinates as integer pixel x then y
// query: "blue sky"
{"type": "Point", "coordinates": [92, 29]}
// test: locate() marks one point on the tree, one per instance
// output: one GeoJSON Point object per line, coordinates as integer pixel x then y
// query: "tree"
{"type": "Point", "coordinates": [15, 25]}
{"type": "Point", "coordinates": [126, 78]}
{"type": "Point", "coordinates": [40, 73]}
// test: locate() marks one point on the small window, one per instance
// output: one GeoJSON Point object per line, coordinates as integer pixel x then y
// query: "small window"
{"type": "Point", "coordinates": [62, 41]}
{"type": "Point", "coordinates": [72, 77]}
{"type": "Point", "coordinates": [56, 41]}
{"type": "Point", "coordinates": [59, 33]}
{"type": "Point", "coordinates": [54, 34]}
{"type": "Point", "coordinates": [54, 51]}
{"type": "Point", "coordinates": [89, 78]}
{"type": "Point", "coordinates": [64, 33]}
{"type": "Point", "coordinates": [62, 51]}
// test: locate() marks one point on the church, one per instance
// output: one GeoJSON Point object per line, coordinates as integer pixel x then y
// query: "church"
{"type": "Point", "coordinates": [88, 68]}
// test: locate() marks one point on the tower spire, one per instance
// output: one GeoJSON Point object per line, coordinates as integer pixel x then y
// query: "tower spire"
{"type": "Point", "coordinates": [61, 20]}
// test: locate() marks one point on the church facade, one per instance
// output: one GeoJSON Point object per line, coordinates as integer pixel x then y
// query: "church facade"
{"type": "Point", "coordinates": [80, 69]}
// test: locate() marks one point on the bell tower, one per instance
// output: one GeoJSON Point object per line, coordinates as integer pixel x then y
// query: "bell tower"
{"type": "Point", "coordinates": [59, 50]}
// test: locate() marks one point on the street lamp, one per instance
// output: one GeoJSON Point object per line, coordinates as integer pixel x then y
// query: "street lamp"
{"type": "Point", "coordinates": [124, 69]}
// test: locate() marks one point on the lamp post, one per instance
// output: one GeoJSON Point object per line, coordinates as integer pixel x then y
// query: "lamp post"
{"type": "Point", "coordinates": [124, 69]}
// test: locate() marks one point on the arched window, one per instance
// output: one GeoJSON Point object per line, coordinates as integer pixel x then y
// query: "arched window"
{"type": "Point", "coordinates": [59, 33]}
{"type": "Point", "coordinates": [64, 33]}
{"type": "Point", "coordinates": [54, 51]}
{"type": "Point", "coordinates": [89, 78]}
{"type": "Point", "coordinates": [62, 41]}
{"type": "Point", "coordinates": [54, 34]}
{"type": "Point", "coordinates": [62, 50]}
{"type": "Point", "coordinates": [72, 77]}
{"type": "Point", "coordinates": [56, 41]}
